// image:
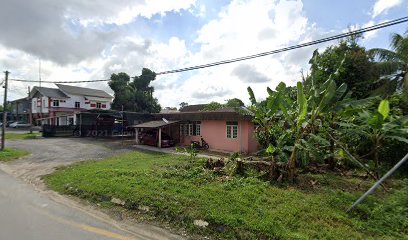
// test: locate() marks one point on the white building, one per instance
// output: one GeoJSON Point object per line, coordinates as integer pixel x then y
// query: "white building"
{"type": "Point", "coordinates": [58, 106]}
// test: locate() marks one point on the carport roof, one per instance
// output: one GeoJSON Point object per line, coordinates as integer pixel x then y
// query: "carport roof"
{"type": "Point", "coordinates": [154, 124]}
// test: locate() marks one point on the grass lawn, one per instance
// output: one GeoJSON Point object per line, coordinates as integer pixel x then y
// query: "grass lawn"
{"type": "Point", "coordinates": [20, 136]}
{"type": "Point", "coordinates": [179, 192]}
{"type": "Point", "coordinates": [9, 154]}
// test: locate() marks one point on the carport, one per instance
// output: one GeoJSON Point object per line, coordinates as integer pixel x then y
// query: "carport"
{"type": "Point", "coordinates": [160, 124]}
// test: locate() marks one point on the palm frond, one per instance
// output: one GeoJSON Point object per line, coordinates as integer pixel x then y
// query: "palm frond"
{"type": "Point", "coordinates": [400, 46]}
{"type": "Point", "coordinates": [388, 67]}
{"type": "Point", "coordinates": [385, 55]}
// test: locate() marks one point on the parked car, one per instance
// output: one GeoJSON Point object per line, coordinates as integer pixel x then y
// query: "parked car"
{"type": "Point", "coordinates": [8, 123]}
{"type": "Point", "coordinates": [20, 125]}
{"type": "Point", "coordinates": [151, 137]}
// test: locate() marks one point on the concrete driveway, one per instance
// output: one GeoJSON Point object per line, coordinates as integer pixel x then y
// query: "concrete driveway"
{"type": "Point", "coordinates": [45, 214]}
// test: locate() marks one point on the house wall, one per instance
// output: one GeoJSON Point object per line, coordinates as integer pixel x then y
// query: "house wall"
{"type": "Point", "coordinates": [86, 104]}
{"type": "Point", "coordinates": [36, 103]}
{"type": "Point", "coordinates": [215, 134]}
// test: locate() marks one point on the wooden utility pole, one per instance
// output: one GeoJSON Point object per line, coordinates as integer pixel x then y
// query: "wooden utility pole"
{"type": "Point", "coordinates": [122, 125]}
{"type": "Point", "coordinates": [30, 113]}
{"type": "Point", "coordinates": [3, 132]}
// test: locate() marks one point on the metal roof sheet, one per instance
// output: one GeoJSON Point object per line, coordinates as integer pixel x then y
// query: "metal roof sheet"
{"type": "Point", "coordinates": [83, 91]}
{"type": "Point", "coordinates": [154, 124]}
{"type": "Point", "coordinates": [49, 92]}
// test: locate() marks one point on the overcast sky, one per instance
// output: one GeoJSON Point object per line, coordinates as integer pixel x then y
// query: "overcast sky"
{"type": "Point", "coordinates": [84, 40]}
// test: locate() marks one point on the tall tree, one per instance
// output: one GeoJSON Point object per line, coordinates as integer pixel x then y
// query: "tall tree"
{"type": "Point", "coordinates": [136, 95]}
{"type": "Point", "coordinates": [347, 63]}
{"type": "Point", "coordinates": [182, 105]}
{"type": "Point", "coordinates": [234, 102]}
{"type": "Point", "coordinates": [393, 63]}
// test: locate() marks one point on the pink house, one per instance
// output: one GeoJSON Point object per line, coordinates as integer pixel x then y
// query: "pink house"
{"type": "Point", "coordinates": [226, 130]}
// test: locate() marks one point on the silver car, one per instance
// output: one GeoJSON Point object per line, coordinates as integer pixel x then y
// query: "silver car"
{"type": "Point", "coordinates": [20, 125]}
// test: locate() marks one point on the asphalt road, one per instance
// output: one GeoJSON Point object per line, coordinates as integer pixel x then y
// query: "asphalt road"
{"type": "Point", "coordinates": [25, 214]}
{"type": "Point", "coordinates": [29, 211]}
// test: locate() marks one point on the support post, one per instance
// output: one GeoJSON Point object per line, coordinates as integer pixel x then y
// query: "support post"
{"type": "Point", "coordinates": [378, 183]}
{"type": "Point", "coordinates": [137, 136]}
{"type": "Point", "coordinates": [160, 138]}
{"type": "Point", "coordinates": [3, 132]}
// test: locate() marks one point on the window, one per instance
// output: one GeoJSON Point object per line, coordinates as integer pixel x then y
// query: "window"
{"type": "Point", "coordinates": [191, 129]}
{"type": "Point", "coordinates": [77, 104]}
{"type": "Point", "coordinates": [98, 105]}
{"type": "Point", "coordinates": [55, 103]}
{"type": "Point", "coordinates": [232, 129]}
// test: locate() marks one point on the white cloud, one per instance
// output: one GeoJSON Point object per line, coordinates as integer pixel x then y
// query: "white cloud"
{"type": "Point", "coordinates": [241, 28]}
{"type": "Point", "coordinates": [382, 6]}
{"type": "Point", "coordinates": [122, 13]}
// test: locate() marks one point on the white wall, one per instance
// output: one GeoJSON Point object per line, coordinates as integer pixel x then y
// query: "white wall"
{"type": "Point", "coordinates": [69, 103]}
{"type": "Point", "coordinates": [37, 108]}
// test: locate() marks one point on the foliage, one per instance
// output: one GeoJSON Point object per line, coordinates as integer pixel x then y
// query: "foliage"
{"type": "Point", "coordinates": [346, 63]}
{"type": "Point", "coordinates": [377, 127]}
{"type": "Point", "coordinates": [190, 150]}
{"type": "Point", "coordinates": [290, 128]}
{"type": "Point", "coordinates": [178, 193]}
{"type": "Point", "coordinates": [393, 64]}
{"type": "Point", "coordinates": [20, 136]}
{"type": "Point", "coordinates": [234, 102]}
{"type": "Point", "coordinates": [136, 95]}
{"type": "Point", "coordinates": [9, 154]}
{"type": "Point", "coordinates": [230, 103]}
{"type": "Point", "coordinates": [212, 106]}
{"type": "Point", "coordinates": [183, 104]}
{"type": "Point", "coordinates": [8, 108]}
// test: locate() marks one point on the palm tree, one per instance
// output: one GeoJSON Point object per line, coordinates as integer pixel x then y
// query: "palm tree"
{"type": "Point", "coordinates": [394, 63]}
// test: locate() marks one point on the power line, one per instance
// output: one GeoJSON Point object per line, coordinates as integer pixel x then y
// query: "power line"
{"type": "Point", "coordinates": [84, 81]}
{"type": "Point", "coordinates": [327, 39]}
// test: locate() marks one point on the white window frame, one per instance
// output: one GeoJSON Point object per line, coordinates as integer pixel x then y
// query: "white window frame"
{"type": "Point", "coordinates": [232, 129]}
{"type": "Point", "coordinates": [78, 103]}
{"type": "Point", "coordinates": [55, 103]}
{"type": "Point", "coordinates": [198, 128]}
{"type": "Point", "coordinates": [98, 105]}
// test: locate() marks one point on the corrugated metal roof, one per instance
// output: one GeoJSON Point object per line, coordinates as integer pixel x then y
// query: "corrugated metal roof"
{"type": "Point", "coordinates": [83, 91]}
{"type": "Point", "coordinates": [193, 108]}
{"type": "Point", "coordinates": [48, 92]}
{"type": "Point", "coordinates": [154, 124]}
{"type": "Point", "coordinates": [228, 114]}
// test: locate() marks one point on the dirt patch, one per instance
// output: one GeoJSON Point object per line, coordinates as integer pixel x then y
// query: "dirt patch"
{"type": "Point", "coordinates": [46, 154]}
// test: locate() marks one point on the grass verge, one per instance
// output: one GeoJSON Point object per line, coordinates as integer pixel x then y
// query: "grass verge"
{"type": "Point", "coordinates": [21, 136]}
{"type": "Point", "coordinates": [179, 192]}
{"type": "Point", "coordinates": [9, 154]}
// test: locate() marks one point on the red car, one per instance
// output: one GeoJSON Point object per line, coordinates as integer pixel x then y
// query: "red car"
{"type": "Point", "coordinates": [151, 137]}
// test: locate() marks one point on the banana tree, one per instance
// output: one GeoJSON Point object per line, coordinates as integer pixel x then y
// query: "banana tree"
{"type": "Point", "coordinates": [379, 126]}
{"type": "Point", "coordinates": [298, 119]}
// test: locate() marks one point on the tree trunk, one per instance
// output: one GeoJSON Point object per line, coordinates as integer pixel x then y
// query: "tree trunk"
{"type": "Point", "coordinates": [292, 165]}
{"type": "Point", "coordinates": [376, 161]}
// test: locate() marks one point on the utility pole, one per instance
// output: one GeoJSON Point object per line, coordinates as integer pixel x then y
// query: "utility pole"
{"type": "Point", "coordinates": [30, 113]}
{"type": "Point", "coordinates": [122, 125]}
{"type": "Point", "coordinates": [3, 132]}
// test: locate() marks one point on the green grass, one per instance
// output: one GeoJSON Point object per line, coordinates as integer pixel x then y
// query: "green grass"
{"type": "Point", "coordinates": [21, 136]}
{"type": "Point", "coordinates": [9, 154]}
{"type": "Point", "coordinates": [179, 192]}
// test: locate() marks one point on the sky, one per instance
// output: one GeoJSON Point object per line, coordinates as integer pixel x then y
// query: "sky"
{"type": "Point", "coordinates": [84, 40]}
